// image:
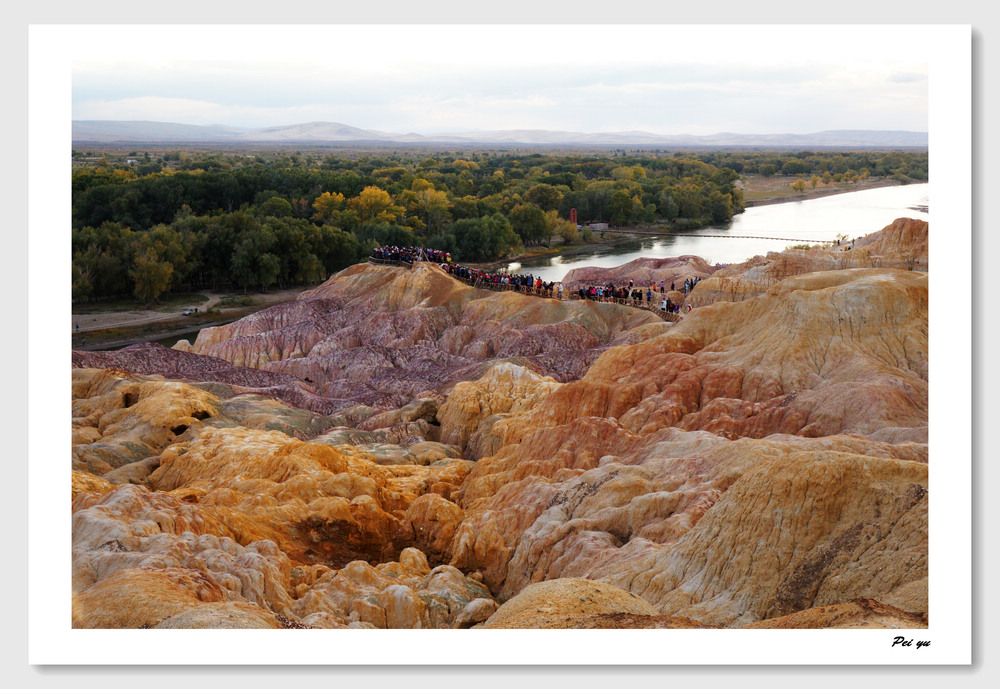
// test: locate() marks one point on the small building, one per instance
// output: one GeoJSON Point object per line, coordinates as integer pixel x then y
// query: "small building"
{"type": "Point", "coordinates": [598, 226]}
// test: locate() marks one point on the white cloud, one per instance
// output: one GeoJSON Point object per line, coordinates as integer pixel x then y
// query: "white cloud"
{"type": "Point", "coordinates": [589, 78]}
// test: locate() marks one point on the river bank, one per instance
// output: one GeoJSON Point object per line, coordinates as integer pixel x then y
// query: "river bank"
{"type": "Point", "coordinates": [819, 193]}
{"type": "Point", "coordinates": [769, 191]}
{"type": "Point", "coordinates": [757, 231]}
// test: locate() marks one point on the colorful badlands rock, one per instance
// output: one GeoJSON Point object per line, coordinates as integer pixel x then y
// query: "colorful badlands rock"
{"type": "Point", "coordinates": [397, 449]}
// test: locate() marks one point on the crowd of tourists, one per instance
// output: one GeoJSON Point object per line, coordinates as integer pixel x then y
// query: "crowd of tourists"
{"type": "Point", "coordinates": [630, 295]}
{"type": "Point", "coordinates": [652, 297]}
{"type": "Point", "coordinates": [688, 284]}
{"type": "Point", "coordinates": [409, 254]}
{"type": "Point", "coordinates": [526, 284]}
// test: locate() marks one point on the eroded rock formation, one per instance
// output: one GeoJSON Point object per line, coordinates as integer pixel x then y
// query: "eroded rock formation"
{"type": "Point", "coordinates": [398, 449]}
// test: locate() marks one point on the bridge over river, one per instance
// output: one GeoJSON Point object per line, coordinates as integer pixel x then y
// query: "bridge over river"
{"type": "Point", "coordinates": [656, 233]}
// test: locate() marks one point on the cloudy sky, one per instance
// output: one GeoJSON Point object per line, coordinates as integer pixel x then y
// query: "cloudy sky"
{"type": "Point", "coordinates": [432, 79]}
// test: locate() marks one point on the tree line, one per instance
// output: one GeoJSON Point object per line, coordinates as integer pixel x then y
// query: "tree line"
{"type": "Point", "coordinates": [903, 166]}
{"type": "Point", "coordinates": [177, 221]}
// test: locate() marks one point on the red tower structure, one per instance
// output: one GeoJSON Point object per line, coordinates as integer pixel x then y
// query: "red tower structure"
{"type": "Point", "coordinates": [572, 215]}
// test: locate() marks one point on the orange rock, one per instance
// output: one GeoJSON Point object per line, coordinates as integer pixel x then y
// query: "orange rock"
{"type": "Point", "coordinates": [136, 598]}
{"type": "Point", "coordinates": [559, 602]}
{"type": "Point", "coordinates": [860, 614]}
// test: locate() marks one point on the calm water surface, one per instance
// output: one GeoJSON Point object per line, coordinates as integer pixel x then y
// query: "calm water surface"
{"type": "Point", "coordinates": [855, 214]}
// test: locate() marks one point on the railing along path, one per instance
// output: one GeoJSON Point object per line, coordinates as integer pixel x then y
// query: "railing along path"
{"type": "Point", "coordinates": [641, 303]}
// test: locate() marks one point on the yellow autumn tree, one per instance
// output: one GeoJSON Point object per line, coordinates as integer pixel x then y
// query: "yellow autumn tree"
{"type": "Point", "coordinates": [326, 205]}
{"type": "Point", "coordinates": [374, 205]}
{"type": "Point", "coordinates": [434, 207]}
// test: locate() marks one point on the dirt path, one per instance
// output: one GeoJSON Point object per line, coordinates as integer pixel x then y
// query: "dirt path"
{"type": "Point", "coordinates": [88, 322]}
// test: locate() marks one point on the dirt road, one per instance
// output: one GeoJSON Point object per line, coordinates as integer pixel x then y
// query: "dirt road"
{"type": "Point", "coordinates": [88, 322]}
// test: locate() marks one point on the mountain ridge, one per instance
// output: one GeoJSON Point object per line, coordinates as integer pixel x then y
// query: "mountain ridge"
{"type": "Point", "coordinates": [146, 131]}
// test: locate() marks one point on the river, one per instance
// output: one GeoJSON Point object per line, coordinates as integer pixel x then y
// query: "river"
{"type": "Point", "coordinates": [855, 214]}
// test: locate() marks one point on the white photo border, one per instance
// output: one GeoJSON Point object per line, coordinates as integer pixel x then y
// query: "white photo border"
{"type": "Point", "coordinates": [52, 51]}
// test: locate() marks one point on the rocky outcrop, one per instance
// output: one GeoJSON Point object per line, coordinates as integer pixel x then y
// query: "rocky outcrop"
{"type": "Point", "coordinates": [903, 244]}
{"type": "Point", "coordinates": [407, 594]}
{"type": "Point", "coordinates": [164, 598]}
{"type": "Point", "coordinates": [473, 407]}
{"type": "Point", "coordinates": [643, 272]}
{"type": "Point", "coordinates": [396, 332]}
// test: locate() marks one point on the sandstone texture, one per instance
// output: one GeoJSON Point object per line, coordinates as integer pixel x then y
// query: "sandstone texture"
{"type": "Point", "coordinates": [220, 510]}
{"type": "Point", "coordinates": [549, 604]}
{"type": "Point", "coordinates": [396, 449]}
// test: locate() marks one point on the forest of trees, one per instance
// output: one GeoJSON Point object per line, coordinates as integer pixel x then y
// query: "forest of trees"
{"type": "Point", "coordinates": [148, 224]}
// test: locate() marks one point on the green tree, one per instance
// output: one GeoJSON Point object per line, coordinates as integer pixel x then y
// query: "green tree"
{"type": "Point", "coordinates": [82, 287]}
{"type": "Point", "coordinates": [668, 208]}
{"type": "Point", "coordinates": [483, 239]}
{"type": "Point", "coordinates": [252, 262]}
{"type": "Point", "coordinates": [719, 206]}
{"type": "Point", "coordinates": [338, 249]}
{"type": "Point", "coordinates": [386, 234]}
{"type": "Point", "coordinates": [795, 167]}
{"type": "Point", "coordinates": [562, 227]}
{"type": "Point", "coordinates": [599, 199]}
{"type": "Point", "coordinates": [545, 196]}
{"type": "Point", "coordinates": [151, 277]}
{"type": "Point", "coordinates": [275, 207]}
{"type": "Point", "coordinates": [528, 221]}
{"type": "Point", "coordinates": [621, 207]}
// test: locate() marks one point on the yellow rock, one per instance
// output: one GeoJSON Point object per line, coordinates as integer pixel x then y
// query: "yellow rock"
{"type": "Point", "coordinates": [558, 602]}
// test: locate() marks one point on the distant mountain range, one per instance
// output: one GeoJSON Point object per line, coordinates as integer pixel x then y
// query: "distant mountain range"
{"type": "Point", "coordinates": [128, 132]}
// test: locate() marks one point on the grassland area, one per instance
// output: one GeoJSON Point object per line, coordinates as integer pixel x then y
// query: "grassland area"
{"type": "Point", "coordinates": [759, 190]}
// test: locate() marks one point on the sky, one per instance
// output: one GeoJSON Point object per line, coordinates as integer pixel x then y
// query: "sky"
{"type": "Point", "coordinates": [435, 79]}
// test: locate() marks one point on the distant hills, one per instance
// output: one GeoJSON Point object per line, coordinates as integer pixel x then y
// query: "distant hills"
{"type": "Point", "coordinates": [129, 132]}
